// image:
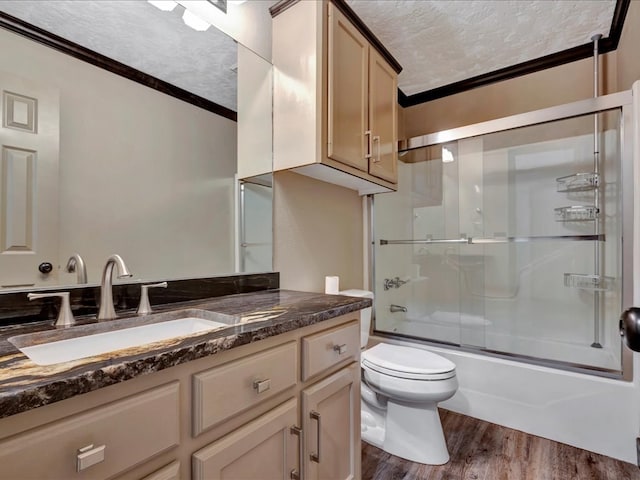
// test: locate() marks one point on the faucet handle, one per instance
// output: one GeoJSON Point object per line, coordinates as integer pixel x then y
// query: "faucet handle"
{"type": "Point", "coordinates": [65, 315]}
{"type": "Point", "coordinates": [144, 308]}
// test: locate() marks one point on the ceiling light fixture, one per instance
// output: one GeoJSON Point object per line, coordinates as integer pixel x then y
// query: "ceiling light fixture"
{"type": "Point", "coordinates": [164, 5]}
{"type": "Point", "coordinates": [221, 4]}
{"type": "Point", "coordinates": [194, 21]}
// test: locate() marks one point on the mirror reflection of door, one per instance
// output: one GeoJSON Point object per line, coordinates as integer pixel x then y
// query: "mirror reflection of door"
{"type": "Point", "coordinates": [29, 139]}
{"type": "Point", "coordinates": [256, 246]}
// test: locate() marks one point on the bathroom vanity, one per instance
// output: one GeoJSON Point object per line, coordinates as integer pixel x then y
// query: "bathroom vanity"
{"type": "Point", "coordinates": [275, 395]}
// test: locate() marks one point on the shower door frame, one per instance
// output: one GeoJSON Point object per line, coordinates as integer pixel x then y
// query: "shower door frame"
{"type": "Point", "coordinates": [622, 101]}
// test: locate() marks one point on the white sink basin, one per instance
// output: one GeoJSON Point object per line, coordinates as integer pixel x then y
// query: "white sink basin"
{"type": "Point", "coordinates": [96, 344]}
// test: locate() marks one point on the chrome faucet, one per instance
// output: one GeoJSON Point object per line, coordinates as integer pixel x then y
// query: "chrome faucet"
{"type": "Point", "coordinates": [397, 308]}
{"type": "Point", "coordinates": [107, 311]}
{"type": "Point", "coordinates": [76, 264]}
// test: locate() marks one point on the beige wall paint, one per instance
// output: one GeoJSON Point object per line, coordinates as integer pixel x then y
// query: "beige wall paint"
{"type": "Point", "coordinates": [554, 86]}
{"type": "Point", "coordinates": [628, 55]}
{"type": "Point", "coordinates": [142, 174]}
{"type": "Point", "coordinates": [317, 232]}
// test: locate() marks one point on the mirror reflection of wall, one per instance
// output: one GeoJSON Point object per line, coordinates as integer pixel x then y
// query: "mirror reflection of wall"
{"type": "Point", "coordinates": [140, 173]}
{"type": "Point", "coordinates": [256, 246]}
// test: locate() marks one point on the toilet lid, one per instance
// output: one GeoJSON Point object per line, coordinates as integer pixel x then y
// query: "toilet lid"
{"type": "Point", "coordinates": [407, 362]}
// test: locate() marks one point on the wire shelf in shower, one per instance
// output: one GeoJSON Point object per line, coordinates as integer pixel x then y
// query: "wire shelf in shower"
{"type": "Point", "coordinates": [588, 282]}
{"type": "Point", "coordinates": [577, 213]}
{"type": "Point", "coordinates": [578, 182]}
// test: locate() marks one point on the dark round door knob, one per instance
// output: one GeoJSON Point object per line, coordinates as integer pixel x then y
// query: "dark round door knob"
{"type": "Point", "coordinates": [45, 267]}
{"type": "Point", "coordinates": [630, 328]}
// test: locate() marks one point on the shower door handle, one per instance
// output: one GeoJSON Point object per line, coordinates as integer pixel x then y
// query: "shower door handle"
{"type": "Point", "coordinates": [630, 328]}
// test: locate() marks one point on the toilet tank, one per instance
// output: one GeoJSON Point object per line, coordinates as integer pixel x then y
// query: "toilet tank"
{"type": "Point", "coordinates": [365, 314]}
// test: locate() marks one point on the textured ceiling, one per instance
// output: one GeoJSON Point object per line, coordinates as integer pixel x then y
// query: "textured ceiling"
{"type": "Point", "coordinates": [143, 37]}
{"type": "Point", "coordinates": [439, 42]}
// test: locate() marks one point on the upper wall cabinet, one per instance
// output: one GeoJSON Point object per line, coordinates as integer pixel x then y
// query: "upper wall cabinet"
{"type": "Point", "coordinates": [335, 100]}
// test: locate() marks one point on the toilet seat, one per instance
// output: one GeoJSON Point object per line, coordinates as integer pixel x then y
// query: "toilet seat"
{"type": "Point", "coordinates": [408, 363]}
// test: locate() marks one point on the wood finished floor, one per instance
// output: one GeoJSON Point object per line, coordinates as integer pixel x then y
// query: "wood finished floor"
{"type": "Point", "coordinates": [484, 451]}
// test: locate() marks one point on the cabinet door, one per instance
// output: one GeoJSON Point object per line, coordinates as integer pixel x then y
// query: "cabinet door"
{"type": "Point", "coordinates": [331, 422]}
{"type": "Point", "coordinates": [265, 449]}
{"type": "Point", "coordinates": [383, 118]}
{"type": "Point", "coordinates": [348, 72]}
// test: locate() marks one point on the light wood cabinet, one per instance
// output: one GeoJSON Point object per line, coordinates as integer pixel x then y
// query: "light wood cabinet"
{"type": "Point", "coordinates": [233, 415]}
{"type": "Point", "coordinates": [265, 449]}
{"type": "Point", "coordinates": [325, 349]}
{"type": "Point", "coordinates": [247, 381]}
{"type": "Point", "coordinates": [168, 472]}
{"type": "Point", "coordinates": [335, 100]}
{"type": "Point", "coordinates": [383, 118]}
{"type": "Point", "coordinates": [331, 421]}
{"type": "Point", "coordinates": [348, 137]}
{"type": "Point", "coordinates": [362, 98]}
{"type": "Point", "coordinates": [98, 443]}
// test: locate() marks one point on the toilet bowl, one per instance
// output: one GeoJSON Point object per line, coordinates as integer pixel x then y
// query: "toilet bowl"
{"type": "Point", "coordinates": [401, 389]}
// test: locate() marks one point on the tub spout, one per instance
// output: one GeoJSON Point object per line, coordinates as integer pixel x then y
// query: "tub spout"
{"type": "Point", "coordinates": [397, 308]}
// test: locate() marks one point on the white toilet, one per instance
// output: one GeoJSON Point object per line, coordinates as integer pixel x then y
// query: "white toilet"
{"type": "Point", "coordinates": [401, 389]}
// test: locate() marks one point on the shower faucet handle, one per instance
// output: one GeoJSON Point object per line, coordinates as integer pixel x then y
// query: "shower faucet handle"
{"type": "Point", "coordinates": [393, 283]}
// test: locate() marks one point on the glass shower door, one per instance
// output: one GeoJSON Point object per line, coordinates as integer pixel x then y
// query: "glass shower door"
{"type": "Point", "coordinates": [508, 242]}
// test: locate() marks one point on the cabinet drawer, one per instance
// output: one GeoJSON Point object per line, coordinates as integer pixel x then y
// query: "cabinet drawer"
{"type": "Point", "coordinates": [123, 433]}
{"type": "Point", "coordinates": [325, 349]}
{"type": "Point", "coordinates": [168, 472]}
{"type": "Point", "coordinates": [229, 389]}
{"type": "Point", "coordinates": [266, 448]}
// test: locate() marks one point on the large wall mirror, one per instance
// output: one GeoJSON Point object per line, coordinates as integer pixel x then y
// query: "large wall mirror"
{"type": "Point", "coordinates": [94, 163]}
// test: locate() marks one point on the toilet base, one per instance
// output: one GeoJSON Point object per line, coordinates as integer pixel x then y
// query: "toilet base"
{"type": "Point", "coordinates": [414, 432]}
{"type": "Point", "coordinates": [372, 413]}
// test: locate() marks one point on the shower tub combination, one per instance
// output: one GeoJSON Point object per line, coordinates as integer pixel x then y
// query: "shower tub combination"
{"type": "Point", "coordinates": [506, 238]}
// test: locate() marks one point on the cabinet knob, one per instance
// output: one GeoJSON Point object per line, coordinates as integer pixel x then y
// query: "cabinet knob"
{"type": "Point", "coordinates": [340, 349]}
{"type": "Point", "coordinates": [262, 385]}
{"type": "Point", "coordinates": [89, 456]}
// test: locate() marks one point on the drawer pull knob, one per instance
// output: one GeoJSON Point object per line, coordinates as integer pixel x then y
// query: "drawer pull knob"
{"type": "Point", "coordinates": [340, 349]}
{"type": "Point", "coordinates": [262, 385]}
{"type": "Point", "coordinates": [89, 456]}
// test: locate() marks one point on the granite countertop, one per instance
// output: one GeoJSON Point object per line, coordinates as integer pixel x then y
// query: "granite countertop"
{"type": "Point", "coordinates": [24, 385]}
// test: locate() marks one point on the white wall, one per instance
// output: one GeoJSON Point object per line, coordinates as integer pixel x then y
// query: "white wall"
{"type": "Point", "coordinates": [142, 174]}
